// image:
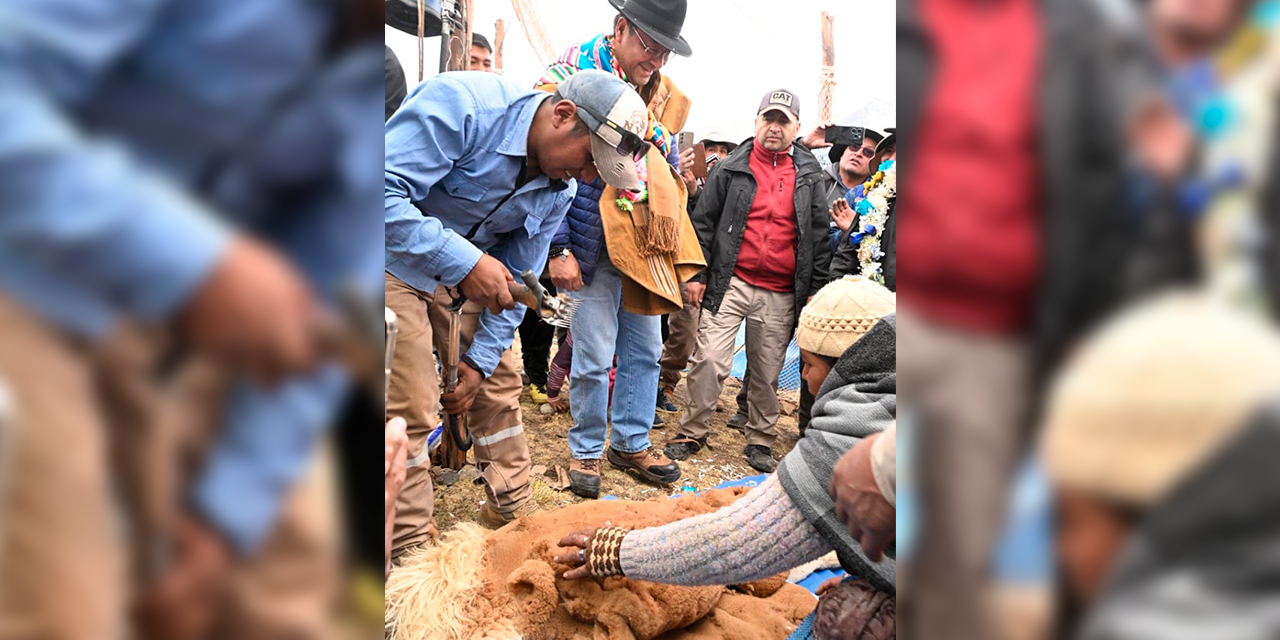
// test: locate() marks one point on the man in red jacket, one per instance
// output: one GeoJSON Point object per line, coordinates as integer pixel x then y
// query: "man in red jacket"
{"type": "Point", "coordinates": [762, 222]}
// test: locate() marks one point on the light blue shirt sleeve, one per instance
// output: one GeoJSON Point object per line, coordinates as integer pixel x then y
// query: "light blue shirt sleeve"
{"type": "Point", "coordinates": [270, 436]}
{"type": "Point", "coordinates": [430, 132]}
{"type": "Point", "coordinates": [268, 440]}
{"type": "Point", "coordinates": [77, 209]}
{"type": "Point", "coordinates": [497, 331]}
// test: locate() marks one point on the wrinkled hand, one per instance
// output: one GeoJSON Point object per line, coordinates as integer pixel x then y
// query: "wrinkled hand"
{"type": "Point", "coordinates": [693, 293]}
{"type": "Point", "coordinates": [816, 138]}
{"type": "Point", "coordinates": [255, 313]}
{"type": "Point", "coordinates": [486, 283]}
{"type": "Point", "coordinates": [459, 402]}
{"type": "Point", "coordinates": [827, 585]}
{"type": "Point", "coordinates": [565, 273]}
{"type": "Point", "coordinates": [394, 454]}
{"type": "Point", "coordinates": [1161, 139]}
{"type": "Point", "coordinates": [842, 214]}
{"type": "Point", "coordinates": [859, 504]}
{"type": "Point", "coordinates": [560, 403]}
{"type": "Point", "coordinates": [577, 540]}
{"type": "Point", "coordinates": [686, 170]}
{"type": "Point", "coordinates": [182, 602]}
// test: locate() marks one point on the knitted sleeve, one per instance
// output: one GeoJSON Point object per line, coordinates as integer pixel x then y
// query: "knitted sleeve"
{"type": "Point", "coordinates": [759, 535]}
{"type": "Point", "coordinates": [884, 463]}
{"type": "Point", "coordinates": [559, 367]}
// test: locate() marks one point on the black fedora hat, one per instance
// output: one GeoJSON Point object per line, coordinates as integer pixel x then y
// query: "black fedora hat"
{"type": "Point", "coordinates": [890, 140]}
{"type": "Point", "coordinates": [403, 16]}
{"type": "Point", "coordinates": [658, 19]}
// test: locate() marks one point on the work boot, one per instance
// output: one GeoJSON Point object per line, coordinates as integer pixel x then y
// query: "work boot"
{"type": "Point", "coordinates": [584, 477]}
{"type": "Point", "coordinates": [491, 519]}
{"type": "Point", "coordinates": [648, 465]}
{"type": "Point", "coordinates": [683, 446]}
{"type": "Point", "coordinates": [664, 404]}
{"type": "Point", "coordinates": [760, 458]}
{"type": "Point", "coordinates": [738, 421]}
{"type": "Point", "coordinates": [538, 393]}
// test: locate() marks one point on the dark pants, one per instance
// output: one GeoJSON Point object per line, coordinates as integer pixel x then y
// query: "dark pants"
{"type": "Point", "coordinates": [535, 343]}
{"type": "Point", "coordinates": [806, 399]}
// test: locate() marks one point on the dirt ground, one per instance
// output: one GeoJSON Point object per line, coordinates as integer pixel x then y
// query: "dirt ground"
{"type": "Point", "coordinates": [722, 460]}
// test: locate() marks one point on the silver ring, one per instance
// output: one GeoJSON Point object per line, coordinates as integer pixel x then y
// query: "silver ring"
{"type": "Point", "coordinates": [582, 556]}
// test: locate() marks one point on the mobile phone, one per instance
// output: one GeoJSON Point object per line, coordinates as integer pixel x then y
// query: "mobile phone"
{"type": "Point", "coordinates": [700, 160]}
{"type": "Point", "coordinates": [685, 140]}
{"type": "Point", "coordinates": [848, 136]}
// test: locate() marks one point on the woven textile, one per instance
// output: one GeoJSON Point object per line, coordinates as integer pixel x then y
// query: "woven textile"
{"type": "Point", "coordinates": [602, 557]}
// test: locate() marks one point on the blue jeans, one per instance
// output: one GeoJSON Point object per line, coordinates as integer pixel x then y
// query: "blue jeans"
{"type": "Point", "coordinates": [602, 329]}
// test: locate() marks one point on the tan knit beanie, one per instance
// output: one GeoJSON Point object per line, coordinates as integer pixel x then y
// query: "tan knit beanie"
{"type": "Point", "coordinates": [842, 312]}
{"type": "Point", "coordinates": [1155, 393]}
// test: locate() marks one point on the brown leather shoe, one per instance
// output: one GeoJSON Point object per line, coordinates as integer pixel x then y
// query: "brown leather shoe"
{"type": "Point", "coordinates": [650, 464]}
{"type": "Point", "coordinates": [584, 478]}
{"type": "Point", "coordinates": [491, 519]}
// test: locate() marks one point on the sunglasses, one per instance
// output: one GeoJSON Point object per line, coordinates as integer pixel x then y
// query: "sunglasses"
{"type": "Point", "coordinates": [656, 52]}
{"type": "Point", "coordinates": [866, 153]}
{"type": "Point", "coordinates": [629, 144]}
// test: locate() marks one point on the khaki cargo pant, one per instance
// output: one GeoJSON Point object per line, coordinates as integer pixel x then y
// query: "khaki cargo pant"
{"type": "Point", "coordinates": [682, 336]}
{"type": "Point", "coordinates": [770, 318]}
{"type": "Point", "coordinates": [968, 394]}
{"type": "Point", "coordinates": [496, 429]}
{"type": "Point", "coordinates": [88, 434]}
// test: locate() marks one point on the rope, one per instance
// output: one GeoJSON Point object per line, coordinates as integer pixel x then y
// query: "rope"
{"type": "Point", "coordinates": [531, 24]}
{"type": "Point", "coordinates": [826, 91]}
{"type": "Point", "coordinates": [421, 31]}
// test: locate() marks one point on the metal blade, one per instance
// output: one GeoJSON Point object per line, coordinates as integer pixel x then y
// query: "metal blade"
{"type": "Point", "coordinates": [564, 313]}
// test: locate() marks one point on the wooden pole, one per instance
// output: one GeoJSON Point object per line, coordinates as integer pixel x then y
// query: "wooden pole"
{"type": "Point", "coordinates": [467, 12]}
{"type": "Point", "coordinates": [828, 68]}
{"type": "Point", "coordinates": [499, 34]}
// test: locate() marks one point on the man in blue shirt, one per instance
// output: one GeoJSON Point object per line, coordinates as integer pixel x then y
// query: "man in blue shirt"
{"type": "Point", "coordinates": [479, 174]}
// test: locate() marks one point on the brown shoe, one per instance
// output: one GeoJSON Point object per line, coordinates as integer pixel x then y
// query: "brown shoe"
{"type": "Point", "coordinates": [584, 478]}
{"type": "Point", "coordinates": [491, 519]}
{"type": "Point", "coordinates": [650, 464]}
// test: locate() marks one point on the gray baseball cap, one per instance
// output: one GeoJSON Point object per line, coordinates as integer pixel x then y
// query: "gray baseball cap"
{"type": "Point", "coordinates": [781, 100]}
{"type": "Point", "coordinates": [618, 121]}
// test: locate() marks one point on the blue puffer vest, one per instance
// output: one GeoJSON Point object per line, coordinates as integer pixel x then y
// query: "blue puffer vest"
{"type": "Point", "coordinates": [582, 231]}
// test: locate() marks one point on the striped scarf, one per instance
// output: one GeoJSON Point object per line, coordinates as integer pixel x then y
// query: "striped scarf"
{"type": "Point", "coordinates": [597, 53]}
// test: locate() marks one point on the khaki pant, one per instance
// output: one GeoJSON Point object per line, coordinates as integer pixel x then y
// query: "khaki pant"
{"type": "Point", "coordinates": [967, 395]}
{"type": "Point", "coordinates": [93, 447]}
{"type": "Point", "coordinates": [289, 591]}
{"type": "Point", "coordinates": [63, 572]}
{"type": "Point", "coordinates": [770, 318]}
{"type": "Point", "coordinates": [682, 336]}
{"type": "Point", "coordinates": [496, 429]}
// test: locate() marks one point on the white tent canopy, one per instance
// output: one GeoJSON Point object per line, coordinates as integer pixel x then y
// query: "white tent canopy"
{"type": "Point", "coordinates": [876, 114]}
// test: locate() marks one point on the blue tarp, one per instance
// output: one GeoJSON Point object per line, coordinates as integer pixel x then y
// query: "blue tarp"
{"type": "Point", "coordinates": [788, 379]}
{"type": "Point", "coordinates": [1023, 554]}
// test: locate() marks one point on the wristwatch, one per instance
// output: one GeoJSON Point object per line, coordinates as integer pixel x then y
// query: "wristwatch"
{"type": "Point", "coordinates": [563, 252]}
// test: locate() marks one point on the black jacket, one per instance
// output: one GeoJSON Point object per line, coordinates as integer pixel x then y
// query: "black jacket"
{"type": "Point", "coordinates": [844, 260]}
{"type": "Point", "coordinates": [721, 216]}
{"type": "Point", "coordinates": [1081, 149]}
